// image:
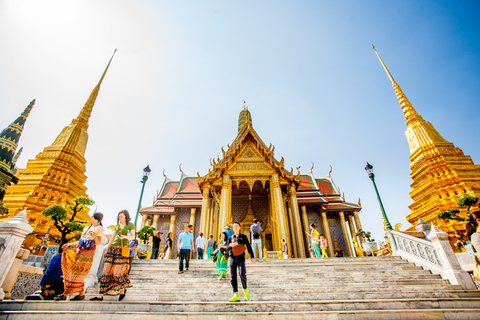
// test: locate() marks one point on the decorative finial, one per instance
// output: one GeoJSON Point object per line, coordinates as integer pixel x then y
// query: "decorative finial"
{"type": "Point", "coordinates": [313, 165]}
{"type": "Point", "coordinates": [164, 173]}
{"type": "Point", "coordinates": [331, 169]}
{"type": "Point", "coordinates": [180, 167]}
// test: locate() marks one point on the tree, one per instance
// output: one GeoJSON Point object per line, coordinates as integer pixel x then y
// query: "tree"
{"type": "Point", "coordinates": [145, 233]}
{"type": "Point", "coordinates": [467, 201]}
{"type": "Point", "coordinates": [451, 214]}
{"type": "Point", "coordinates": [364, 234]}
{"type": "Point", "coordinates": [66, 225]}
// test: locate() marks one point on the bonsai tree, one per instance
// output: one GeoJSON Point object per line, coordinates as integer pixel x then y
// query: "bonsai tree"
{"type": "Point", "coordinates": [467, 201]}
{"type": "Point", "coordinates": [145, 233]}
{"type": "Point", "coordinates": [451, 214]}
{"type": "Point", "coordinates": [65, 225]}
{"type": "Point", "coordinates": [364, 234]}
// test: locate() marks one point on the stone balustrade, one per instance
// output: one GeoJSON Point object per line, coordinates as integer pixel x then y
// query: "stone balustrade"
{"type": "Point", "coordinates": [434, 254]}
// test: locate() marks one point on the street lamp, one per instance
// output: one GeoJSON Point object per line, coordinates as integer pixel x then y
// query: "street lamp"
{"type": "Point", "coordinates": [146, 173]}
{"type": "Point", "coordinates": [386, 223]}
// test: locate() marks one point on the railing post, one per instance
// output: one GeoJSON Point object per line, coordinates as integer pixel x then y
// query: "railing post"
{"type": "Point", "coordinates": [391, 240]}
{"type": "Point", "coordinates": [13, 231]}
{"type": "Point", "coordinates": [451, 268]}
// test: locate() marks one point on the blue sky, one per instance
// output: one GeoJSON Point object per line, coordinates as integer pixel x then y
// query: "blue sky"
{"type": "Point", "coordinates": [314, 86]}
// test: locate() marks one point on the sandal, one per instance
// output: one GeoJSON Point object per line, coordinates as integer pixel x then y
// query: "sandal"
{"type": "Point", "coordinates": [60, 297]}
{"type": "Point", "coordinates": [96, 299]}
{"type": "Point", "coordinates": [79, 297]}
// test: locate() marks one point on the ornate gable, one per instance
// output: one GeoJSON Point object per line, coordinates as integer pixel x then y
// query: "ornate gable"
{"type": "Point", "coordinates": [248, 156]}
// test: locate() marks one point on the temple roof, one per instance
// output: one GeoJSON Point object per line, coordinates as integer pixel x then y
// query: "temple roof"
{"type": "Point", "coordinates": [9, 140]}
{"type": "Point", "coordinates": [220, 166]}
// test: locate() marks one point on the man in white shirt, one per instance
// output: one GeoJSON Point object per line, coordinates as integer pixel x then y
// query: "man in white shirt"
{"type": "Point", "coordinates": [200, 244]}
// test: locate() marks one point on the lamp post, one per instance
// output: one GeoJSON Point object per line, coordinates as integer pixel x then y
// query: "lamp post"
{"type": "Point", "coordinates": [146, 173]}
{"type": "Point", "coordinates": [386, 223]}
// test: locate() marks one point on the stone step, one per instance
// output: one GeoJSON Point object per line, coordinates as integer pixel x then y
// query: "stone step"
{"type": "Point", "coordinates": [225, 294]}
{"type": "Point", "coordinates": [109, 307]}
{"type": "Point", "coordinates": [411, 314]}
{"type": "Point", "coordinates": [296, 291]}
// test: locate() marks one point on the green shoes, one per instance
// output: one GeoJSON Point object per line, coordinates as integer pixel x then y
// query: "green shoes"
{"type": "Point", "coordinates": [235, 298]}
{"type": "Point", "coordinates": [245, 293]}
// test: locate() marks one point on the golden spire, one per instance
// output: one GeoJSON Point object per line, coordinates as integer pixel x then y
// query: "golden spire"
{"type": "Point", "coordinates": [84, 115]}
{"type": "Point", "coordinates": [407, 108]}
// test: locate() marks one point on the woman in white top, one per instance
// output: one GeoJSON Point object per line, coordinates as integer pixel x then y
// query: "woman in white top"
{"type": "Point", "coordinates": [77, 258]}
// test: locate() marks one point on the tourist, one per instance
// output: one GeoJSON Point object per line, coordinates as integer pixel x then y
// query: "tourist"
{"type": "Point", "coordinates": [51, 284]}
{"type": "Point", "coordinates": [156, 245]}
{"type": "Point", "coordinates": [323, 245]}
{"type": "Point", "coordinates": [133, 244]}
{"type": "Point", "coordinates": [200, 244]}
{"type": "Point", "coordinates": [236, 245]}
{"type": "Point", "coordinates": [222, 257]}
{"type": "Point", "coordinates": [185, 244]}
{"type": "Point", "coordinates": [228, 230]}
{"type": "Point", "coordinates": [77, 258]}
{"type": "Point", "coordinates": [256, 232]}
{"type": "Point", "coordinates": [473, 229]}
{"type": "Point", "coordinates": [115, 271]}
{"type": "Point", "coordinates": [284, 249]}
{"type": "Point", "coordinates": [168, 246]}
{"type": "Point", "coordinates": [314, 234]}
{"type": "Point", "coordinates": [210, 247]}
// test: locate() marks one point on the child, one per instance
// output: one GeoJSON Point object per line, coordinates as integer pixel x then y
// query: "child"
{"type": "Point", "coordinates": [323, 244]}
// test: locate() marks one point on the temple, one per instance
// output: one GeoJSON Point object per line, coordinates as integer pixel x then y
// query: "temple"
{"type": "Point", "coordinates": [248, 182]}
{"type": "Point", "coordinates": [441, 173]}
{"type": "Point", "coordinates": [55, 176]}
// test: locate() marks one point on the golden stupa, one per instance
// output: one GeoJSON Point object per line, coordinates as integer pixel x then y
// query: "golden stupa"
{"type": "Point", "coordinates": [441, 173]}
{"type": "Point", "coordinates": [55, 176]}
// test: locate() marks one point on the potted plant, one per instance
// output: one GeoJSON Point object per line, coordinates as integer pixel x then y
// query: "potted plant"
{"type": "Point", "coordinates": [144, 250]}
{"type": "Point", "coordinates": [369, 244]}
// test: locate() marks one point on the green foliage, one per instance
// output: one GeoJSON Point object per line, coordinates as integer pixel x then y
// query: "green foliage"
{"type": "Point", "coordinates": [451, 214]}
{"type": "Point", "coordinates": [145, 233]}
{"type": "Point", "coordinates": [364, 234]}
{"type": "Point", "coordinates": [63, 223]}
{"type": "Point", "coordinates": [56, 212]}
{"type": "Point", "coordinates": [467, 201]}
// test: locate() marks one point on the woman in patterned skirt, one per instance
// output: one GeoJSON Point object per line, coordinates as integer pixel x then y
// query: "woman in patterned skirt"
{"type": "Point", "coordinates": [77, 258]}
{"type": "Point", "coordinates": [314, 237]}
{"type": "Point", "coordinates": [222, 257]}
{"type": "Point", "coordinates": [115, 271]}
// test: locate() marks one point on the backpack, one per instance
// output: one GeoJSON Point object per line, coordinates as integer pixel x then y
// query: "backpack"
{"type": "Point", "coordinates": [256, 235]}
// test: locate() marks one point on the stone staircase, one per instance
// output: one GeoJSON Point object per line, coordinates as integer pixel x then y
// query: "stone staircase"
{"type": "Point", "coordinates": [340, 288]}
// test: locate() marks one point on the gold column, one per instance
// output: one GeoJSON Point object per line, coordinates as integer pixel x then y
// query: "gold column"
{"type": "Point", "coordinates": [155, 221]}
{"type": "Point", "coordinates": [208, 219]}
{"type": "Point", "coordinates": [173, 227]}
{"type": "Point", "coordinates": [352, 230]}
{"type": "Point", "coordinates": [144, 221]}
{"type": "Point", "coordinates": [297, 222]}
{"type": "Point", "coordinates": [225, 202]}
{"type": "Point", "coordinates": [326, 231]}
{"type": "Point", "coordinates": [192, 222]}
{"type": "Point", "coordinates": [345, 234]}
{"type": "Point", "coordinates": [358, 224]}
{"type": "Point", "coordinates": [280, 209]}
{"type": "Point", "coordinates": [292, 251]}
{"type": "Point", "coordinates": [273, 222]}
{"type": "Point", "coordinates": [205, 209]}
{"type": "Point", "coordinates": [306, 229]}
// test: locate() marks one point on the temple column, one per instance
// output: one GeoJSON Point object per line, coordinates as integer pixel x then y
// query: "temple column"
{"type": "Point", "coordinates": [144, 221]}
{"type": "Point", "coordinates": [326, 231]}
{"type": "Point", "coordinates": [280, 209]}
{"type": "Point", "coordinates": [225, 202]}
{"type": "Point", "coordinates": [205, 209]}
{"type": "Point", "coordinates": [358, 224]}
{"type": "Point", "coordinates": [306, 229]}
{"type": "Point", "coordinates": [297, 222]}
{"type": "Point", "coordinates": [155, 221]}
{"type": "Point", "coordinates": [345, 234]}
{"type": "Point", "coordinates": [208, 220]}
{"type": "Point", "coordinates": [192, 222]}
{"type": "Point", "coordinates": [173, 227]}
{"type": "Point", "coordinates": [273, 223]}
{"type": "Point", "coordinates": [352, 230]}
{"type": "Point", "coordinates": [292, 252]}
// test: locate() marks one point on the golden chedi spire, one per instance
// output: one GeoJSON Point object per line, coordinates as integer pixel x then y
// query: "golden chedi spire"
{"type": "Point", "coordinates": [56, 175]}
{"type": "Point", "coordinates": [441, 173]}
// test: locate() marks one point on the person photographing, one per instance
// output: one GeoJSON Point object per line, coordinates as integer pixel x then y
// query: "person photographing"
{"type": "Point", "coordinates": [236, 246]}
